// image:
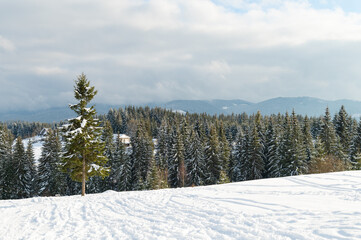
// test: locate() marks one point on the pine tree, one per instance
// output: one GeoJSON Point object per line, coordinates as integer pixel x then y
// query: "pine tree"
{"type": "Point", "coordinates": [285, 147]}
{"type": "Point", "coordinates": [320, 156]}
{"type": "Point", "coordinates": [195, 161]}
{"type": "Point", "coordinates": [224, 178]}
{"type": "Point", "coordinates": [271, 159]}
{"type": "Point", "coordinates": [72, 187]}
{"type": "Point", "coordinates": [51, 180]}
{"type": "Point", "coordinates": [308, 146]}
{"type": "Point", "coordinates": [153, 180]}
{"type": "Point", "coordinates": [225, 151]}
{"type": "Point", "coordinates": [331, 153]}
{"type": "Point", "coordinates": [316, 127]}
{"type": "Point", "coordinates": [116, 165]}
{"type": "Point", "coordinates": [124, 126]}
{"type": "Point", "coordinates": [330, 139]}
{"type": "Point", "coordinates": [292, 154]}
{"type": "Point", "coordinates": [115, 120]}
{"type": "Point", "coordinates": [22, 181]}
{"type": "Point", "coordinates": [324, 162]}
{"type": "Point", "coordinates": [97, 184]}
{"type": "Point", "coordinates": [328, 135]}
{"type": "Point", "coordinates": [2, 162]}
{"type": "Point", "coordinates": [299, 163]}
{"type": "Point", "coordinates": [84, 151]}
{"type": "Point", "coordinates": [343, 129]}
{"type": "Point", "coordinates": [176, 165]}
{"type": "Point", "coordinates": [213, 159]}
{"type": "Point", "coordinates": [245, 154]}
{"type": "Point", "coordinates": [30, 161]}
{"type": "Point", "coordinates": [125, 182]}
{"type": "Point", "coordinates": [236, 171]}
{"type": "Point", "coordinates": [355, 151]}
{"type": "Point", "coordinates": [162, 148]}
{"type": "Point", "coordinates": [255, 160]}
{"type": "Point", "coordinates": [186, 132]}
{"type": "Point", "coordinates": [6, 166]}
{"type": "Point", "coordinates": [142, 154]}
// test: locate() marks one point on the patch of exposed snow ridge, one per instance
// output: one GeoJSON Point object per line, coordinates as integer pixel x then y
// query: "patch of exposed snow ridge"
{"type": "Point", "coordinates": [324, 206]}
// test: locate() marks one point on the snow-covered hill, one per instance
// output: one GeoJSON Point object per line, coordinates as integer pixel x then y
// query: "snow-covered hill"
{"type": "Point", "coordinates": [325, 206]}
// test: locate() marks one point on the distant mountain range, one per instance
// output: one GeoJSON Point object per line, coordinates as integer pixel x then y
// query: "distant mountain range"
{"type": "Point", "coordinates": [49, 115]}
{"type": "Point", "coordinates": [302, 105]}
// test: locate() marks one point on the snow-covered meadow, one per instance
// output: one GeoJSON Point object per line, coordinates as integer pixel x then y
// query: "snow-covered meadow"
{"type": "Point", "coordinates": [324, 206]}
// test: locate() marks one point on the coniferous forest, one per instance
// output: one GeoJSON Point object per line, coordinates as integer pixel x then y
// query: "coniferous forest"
{"type": "Point", "coordinates": [170, 150]}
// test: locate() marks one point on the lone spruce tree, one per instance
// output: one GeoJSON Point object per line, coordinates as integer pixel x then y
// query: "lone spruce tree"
{"type": "Point", "coordinates": [84, 151]}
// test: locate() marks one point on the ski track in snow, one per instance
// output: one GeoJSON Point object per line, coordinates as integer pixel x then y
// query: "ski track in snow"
{"type": "Point", "coordinates": [324, 206]}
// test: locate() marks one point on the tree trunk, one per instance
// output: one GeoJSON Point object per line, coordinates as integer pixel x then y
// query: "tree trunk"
{"type": "Point", "coordinates": [83, 178]}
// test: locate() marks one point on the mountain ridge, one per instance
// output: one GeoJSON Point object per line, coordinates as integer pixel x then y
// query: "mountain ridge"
{"type": "Point", "coordinates": [301, 105]}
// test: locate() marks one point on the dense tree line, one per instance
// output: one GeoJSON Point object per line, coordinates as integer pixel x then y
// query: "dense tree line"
{"type": "Point", "coordinates": [170, 149]}
{"type": "Point", "coordinates": [27, 129]}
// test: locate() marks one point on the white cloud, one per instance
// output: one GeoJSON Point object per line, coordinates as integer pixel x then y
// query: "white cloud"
{"type": "Point", "coordinates": [49, 70]}
{"type": "Point", "coordinates": [6, 44]}
{"type": "Point", "coordinates": [216, 67]}
{"type": "Point", "coordinates": [283, 22]}
{"type": "Point", "coordinates": [140, 50]}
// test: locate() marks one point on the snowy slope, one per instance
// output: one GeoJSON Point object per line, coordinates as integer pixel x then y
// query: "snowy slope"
{"type": "Point", "coordinates": [326, 206]}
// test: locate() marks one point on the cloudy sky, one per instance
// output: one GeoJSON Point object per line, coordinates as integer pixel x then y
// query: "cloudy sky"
{"type": "Point", "coordinates": [137, 51]}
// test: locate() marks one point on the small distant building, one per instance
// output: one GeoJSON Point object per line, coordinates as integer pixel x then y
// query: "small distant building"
{"type": "Point", "coordinates": [44, 132]}
{"type": "Point", "coordinates": [125, 139]}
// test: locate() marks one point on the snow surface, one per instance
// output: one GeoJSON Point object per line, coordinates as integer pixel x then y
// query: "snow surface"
{"type": "Point", "coordinates": [325, 206]}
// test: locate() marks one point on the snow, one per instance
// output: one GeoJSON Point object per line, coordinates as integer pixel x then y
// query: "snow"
{"type": "Point", "coordinates": [93, 166]}
{"type": "Point", "coordinates": [179, 111]}
{"type": "Point", "coordinates": [324, 206]}
{"type": "Point", "coordinates": [76, 132]}
{"type": "Point", "coordinates": [71, 119]}
{"type": "Point", "coordinates": [38, 142]}
{"type": "Point", "coordinates": [83, 123]}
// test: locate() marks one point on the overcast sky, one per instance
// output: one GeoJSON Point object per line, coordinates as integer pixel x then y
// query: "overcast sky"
{"type": "Point", "coordinates": [137, 51]}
